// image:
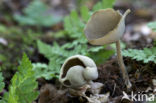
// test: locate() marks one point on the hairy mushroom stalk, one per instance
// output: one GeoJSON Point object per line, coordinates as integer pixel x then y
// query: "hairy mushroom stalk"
{"type": "Point", "coordinates": [107, 26]}
{"type": "Point", "coordinates": [122, 65]}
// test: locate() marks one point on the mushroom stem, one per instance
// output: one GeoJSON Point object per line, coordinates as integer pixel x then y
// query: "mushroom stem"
{"type": "Point", "coordinates": [122, 66]}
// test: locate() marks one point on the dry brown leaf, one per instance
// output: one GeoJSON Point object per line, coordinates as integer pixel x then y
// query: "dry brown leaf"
{"type": "Point", "coordinates": [49, 94]}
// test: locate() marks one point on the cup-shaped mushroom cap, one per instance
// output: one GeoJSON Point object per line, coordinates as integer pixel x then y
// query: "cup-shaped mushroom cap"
{"type": "Point", "coordinates": [72, 71]}
{"type": "Point", "coordinates": [105, 26]}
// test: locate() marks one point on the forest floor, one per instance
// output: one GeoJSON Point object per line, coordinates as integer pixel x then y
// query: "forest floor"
{"type": "Point", "coordinates": [142, 75]}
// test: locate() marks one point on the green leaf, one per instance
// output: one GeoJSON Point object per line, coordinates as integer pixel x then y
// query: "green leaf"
{"type": "Point", "coordinates": [45, 71]}
{"type": "Point", "coordinates": [3, 101]}
{"type": "Point", "coordinates": [74, 17]}
{"type": "Point", "coordinates": [23, 84]}
{"type": "Point", "coordinates": [5, 98]}
{"type": "Point", "coordinates": [44, 49]}
{"type": "Point", "coordinates": [107, 3]}
{"type": "Point", "coordinates": [36, 14]}
{"type": "Point", "coordinates": [146, 55]}
{"type": "Point", "coordinates": [101, 56]}
{"type": "Point", "coordinates": [67, 24]}
{"type": "Point", "coordinates": [97, 6]}
{"type": "Point", "coordinates": [104, 4]}
{"type": "Point", "coordinates": [74, 25]}
{"type": "Point", "coordinates": [84, 13]}
{"type": "Point", "coordinates": [1, 82]}
{"type": "Point", "coordinates": [152, 25]}
{"type": "Point", "coordinates": [57, 55]}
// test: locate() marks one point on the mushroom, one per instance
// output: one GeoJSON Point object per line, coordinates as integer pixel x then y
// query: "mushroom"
{"type": "Point", "coordinates": [107, 26]}
{"type": "Point", "coordinates": [78, 71]}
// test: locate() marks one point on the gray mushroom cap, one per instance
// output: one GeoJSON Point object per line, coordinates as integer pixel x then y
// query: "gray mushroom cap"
{"type": "Point", "coordinates": [77, 71]}
{"type": "Point", "coordinates": [105, 26]}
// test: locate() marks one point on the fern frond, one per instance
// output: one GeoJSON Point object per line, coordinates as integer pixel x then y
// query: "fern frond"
{"type": "Point", "coordinates": [23, 84]}
{"type": "Point", "coordinates": [43, 70]}
{"type": "Point", "coordinates": [146, 55]}
{"type": "Point", "coordinates": [35, 14]}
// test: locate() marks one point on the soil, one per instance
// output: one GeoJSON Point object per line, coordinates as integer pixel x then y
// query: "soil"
{"type": "Point", "coordinates": [110, 75]}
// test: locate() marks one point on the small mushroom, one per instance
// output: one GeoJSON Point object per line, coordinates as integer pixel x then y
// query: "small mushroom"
{"type": "Point", "coordinates": [107, 26]}
{"type": "Point", "coordinates": [77, 71]}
